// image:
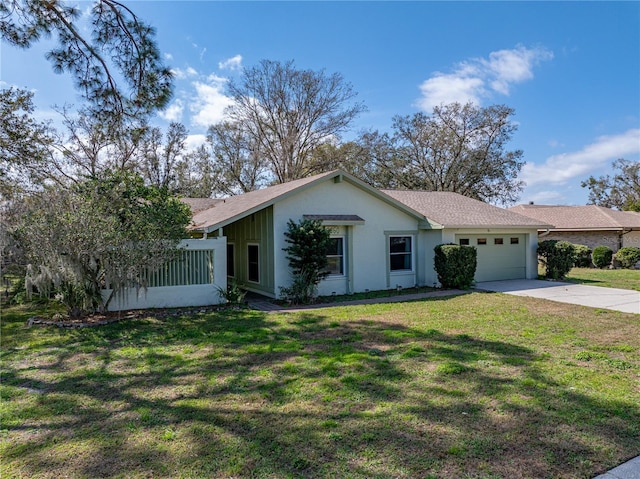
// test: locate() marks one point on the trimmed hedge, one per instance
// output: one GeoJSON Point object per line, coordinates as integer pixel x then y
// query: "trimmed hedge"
{"type": "Point", "coordinates": [582, 256]}
{"type": "Point", "coordinates": [602, 256]}
{"type": "Point", "coordinates": [628, 256]}
{"type": "Point", "coordinates": [455, 265]}
{"type": "Point", "coordinates": [558, 257]}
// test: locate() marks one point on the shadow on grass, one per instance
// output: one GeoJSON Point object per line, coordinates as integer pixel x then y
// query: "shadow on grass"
{"type": "Point", "coordinates": [246, 394]}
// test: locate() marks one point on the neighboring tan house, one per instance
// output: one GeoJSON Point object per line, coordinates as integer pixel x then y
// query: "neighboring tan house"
{"type": "Point", "coordinates": [380, 240]}
{"type": "Point", "coordinates": [587, 225]}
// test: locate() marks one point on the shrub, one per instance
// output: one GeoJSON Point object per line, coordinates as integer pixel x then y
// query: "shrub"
{"type": "Point", "coordinates": [628, 256]}
{"type": "Point", "coordinates": [234, 294]}
{"type": "Point", "coordinates": [455, 265]}
{"type": "Point", "coordinates": [582, 256]}
{"type": "Point", "coordinates": [309, 243]}
{"type": "Point", "coordinates": [558, 257]}
{"type": "Point", "coordinates": [602, 256]}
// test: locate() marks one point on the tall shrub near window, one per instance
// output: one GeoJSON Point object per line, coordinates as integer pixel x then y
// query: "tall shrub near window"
{"type": "Point", "coordinates": [558, 257]}
{"type": "Point", "coordinates": [309, 243]}
{"type": "Point", "coordinates": [455, 265]}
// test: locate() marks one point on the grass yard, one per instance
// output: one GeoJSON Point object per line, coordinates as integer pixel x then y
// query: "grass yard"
{"type": "Point", "coordinates": [476, 386]}
{"type": "Point", "coordinates": [609, 278]}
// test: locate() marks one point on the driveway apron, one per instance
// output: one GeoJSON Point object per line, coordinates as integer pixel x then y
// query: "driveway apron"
{"type": "Point", "coordinates": [593, 296]}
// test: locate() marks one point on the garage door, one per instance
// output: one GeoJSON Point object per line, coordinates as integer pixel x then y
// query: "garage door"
{"type": "Point", "coordinates": [499, 256]}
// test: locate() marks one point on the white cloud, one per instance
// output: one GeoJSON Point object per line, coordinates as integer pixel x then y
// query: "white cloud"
{"type": "Point", "coordinates": [168, 56]}
{"type": "Point", "coordinates": [173, 112]}
{"type": "Point", "coordinates": [545, 197]}
{"type": "Point", "coordinates": [180, 74]}
{"type": "Point", "coordinates": [233, 63]}
{"type": "Point", "coordinates": [477, 78]}
{"type": "Point", "coordinates": [210, 102]}
{"type": "Point", "coordinates": [194, 141]}
{"type": "Point", "coordinates": [559, 169]}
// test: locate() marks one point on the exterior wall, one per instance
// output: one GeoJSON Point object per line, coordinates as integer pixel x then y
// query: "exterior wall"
{"type": "Point", "coordinates": [367, 245]}
{"type": "Point", "coordinates": [179, 296]}
{"type": "Point", "coordinates": [631, 239]}
{"type": "Point", "coordinates": [587, 238]}
{"type": "Point", "coordinates": [429, 239]}
{"type": "Point", "coordinates": [255, 229]}
{"type": "Point", "coordinates": [530, 245]}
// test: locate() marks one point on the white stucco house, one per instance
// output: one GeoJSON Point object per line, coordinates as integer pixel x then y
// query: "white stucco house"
{"type": "Point", "coordinates": [380, 239]}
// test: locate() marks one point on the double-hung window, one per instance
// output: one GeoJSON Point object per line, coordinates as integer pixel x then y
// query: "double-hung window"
{"type": "Point", "coordinates": [400, 253]}
{"type": "Point", "coordinates": [335, 257]}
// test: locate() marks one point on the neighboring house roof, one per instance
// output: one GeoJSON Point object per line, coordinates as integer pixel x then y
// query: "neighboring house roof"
{"type": "Point", "coordinates": [233, 208]}
{"type": "Point", "coordinates": [581, 218]}
{"type": "Point", "coordinates": [453, 210]}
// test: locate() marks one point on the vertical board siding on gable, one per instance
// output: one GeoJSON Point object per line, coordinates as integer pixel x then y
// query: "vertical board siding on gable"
{"type": "Point", "coordinates": [256, 228]}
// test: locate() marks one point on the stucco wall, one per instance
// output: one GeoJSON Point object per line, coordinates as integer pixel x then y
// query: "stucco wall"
{"type": "Point", "coordinates": [179, 296]}
{"type": "Point", "coordinates": [368, 243]}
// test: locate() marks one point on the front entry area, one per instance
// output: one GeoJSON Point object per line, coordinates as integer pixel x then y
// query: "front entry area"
{"type": "Point", "coordinates": [500, 256]}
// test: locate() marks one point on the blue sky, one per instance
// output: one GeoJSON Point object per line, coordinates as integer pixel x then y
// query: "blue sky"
{"type": "Point", "coordinates": [571, 70]}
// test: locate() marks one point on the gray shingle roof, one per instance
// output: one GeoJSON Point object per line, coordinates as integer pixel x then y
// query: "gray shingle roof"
{"type": "Point", "coordinates": [200, 204]}
{"type": "Point", "coordinates": [589, 217]}
{"type": "Point", "coordinates": [454, 210]}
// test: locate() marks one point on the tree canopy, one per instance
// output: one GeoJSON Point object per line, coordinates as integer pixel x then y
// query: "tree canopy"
{"type": "Point", "coordinates": [118, 69]}
{"type": "Point", "coordinates": [289, 112]}
{"type": "Point", "coordinates": [459, 148]}
{"type": "Point", "coordinates": [108, 230]}
{"type": "Point", "coordinates": [24, 143]}
{"type": "Point", "coordinates": [620, 191]}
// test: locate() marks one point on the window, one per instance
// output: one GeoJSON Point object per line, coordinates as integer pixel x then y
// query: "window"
{"type": "Point", "coordinates": [335, 257]}
{"type": "Point", "coordinates": [515, 240]}
{"type": "Point", "coordinates": [464, 241]}
{"type": "Point", "coordinates": [400, 253]}
{"type": "Point", "coordinates": [253, 260]}
{"type": "Point", "coordinates": [231, 257]}
{"type": "Point", "coordinates": [498, 241]}
{"type": "Point", "coordinates": [482, 241]}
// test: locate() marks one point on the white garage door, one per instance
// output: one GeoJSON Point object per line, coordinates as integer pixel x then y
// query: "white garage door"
{"type": "Point", "coordinates": [499, 256]}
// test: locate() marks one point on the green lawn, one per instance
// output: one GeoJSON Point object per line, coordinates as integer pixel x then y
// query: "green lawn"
{"type": "Point", "coordinates": [475, 386]}
{"type": "Point", "coordinates": [610, 278]}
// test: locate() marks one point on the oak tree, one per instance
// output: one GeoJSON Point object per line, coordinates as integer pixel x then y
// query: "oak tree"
{"type": "Point", "coordinates": [620, 191]}
{"type": "Point", "coordinates": [459, 148]}
{"type": "Point", "coordinates": [289, 112]}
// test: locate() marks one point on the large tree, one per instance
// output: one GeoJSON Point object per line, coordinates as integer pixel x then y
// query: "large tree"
{"type": "Point", "coordinates": [24, 144]}
{"type": "Point", "coordinates": [105, 231]}
{"type": "Point", "coordinates": [289, 112]}
{"type": "Point", "coordinates": [159, 155]}
{"type": "Point", "coordinates": [459, 148]}
{"type": "Point", "coordinates": [620, 191]}
{"type": "Point", "coordinates": [237, 162]}
{"type": "Point", "coordinates": [118, 69]}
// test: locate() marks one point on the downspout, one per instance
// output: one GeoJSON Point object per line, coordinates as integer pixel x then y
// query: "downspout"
{"type": "Point", "coordinates": [621, 235]}
{"type": "Point", "coordinates": [546, 233]}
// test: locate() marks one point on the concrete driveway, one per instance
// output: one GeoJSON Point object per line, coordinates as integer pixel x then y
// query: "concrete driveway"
{"type": "Point", "coordinates": [593, 296]}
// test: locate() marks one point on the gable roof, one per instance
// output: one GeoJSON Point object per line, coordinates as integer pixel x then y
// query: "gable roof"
{"type": "Point", "coordinates": [580, 218]}
{"type": "Point", "coordinates": [453, 210]}
{"type": "Point", "coordinates": [233, 208]}
{"type": "Point", "coordinates": [200, 204]}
